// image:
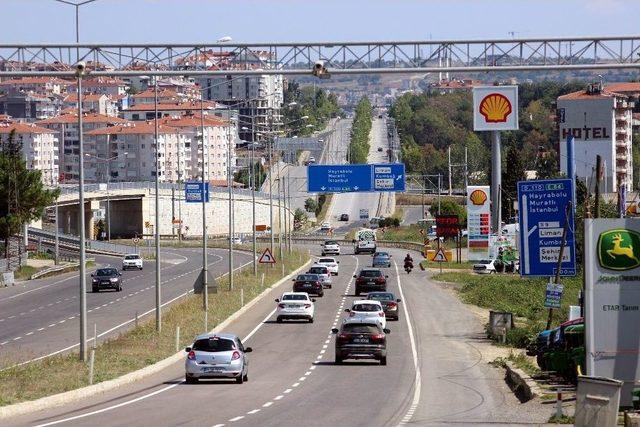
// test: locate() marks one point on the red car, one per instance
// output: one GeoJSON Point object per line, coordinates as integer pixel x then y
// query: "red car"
{"type": "Point", "coordinates": [309, 283]}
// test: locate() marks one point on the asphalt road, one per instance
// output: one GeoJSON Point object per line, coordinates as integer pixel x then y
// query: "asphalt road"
{"type": "Point", "coordinates": [41, 317]}
{"type": "Point", "coordinates": [293, 380]}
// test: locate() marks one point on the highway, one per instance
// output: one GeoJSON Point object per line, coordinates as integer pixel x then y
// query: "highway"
{"type": "Point", "coordinates": [41, 317]}
{"type": "Point", "coordinates": [293, 380]}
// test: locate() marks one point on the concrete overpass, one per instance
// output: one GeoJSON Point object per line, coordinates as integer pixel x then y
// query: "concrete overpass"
{"type": "Point", "coordinates": [132, 206]}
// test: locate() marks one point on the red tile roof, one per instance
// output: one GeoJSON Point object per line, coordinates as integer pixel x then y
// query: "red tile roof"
{"type": "Point", "coordinates": [87, 97]}
{"type": "Point", "coordinates": [173, 106]}
{"type": "Point", "coordinates": [19, 127]}
{"type": "Point", "coordinates": [72, 117]}
{"type": "Point", "coordinates": [162, 93]}
{"type": "Point", "coordinates": [33, 80]}
{"type": "Point", "coordinates": [192, 121]}
{"type": "Point", "coordinates": [582, 94]}
{"type": "Point", "coordinates": [624, 87]}
{"type": "Point", "coordinates": [134, 128]}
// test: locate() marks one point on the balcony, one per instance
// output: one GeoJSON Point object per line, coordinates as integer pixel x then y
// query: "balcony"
{"type": "Point", "coordinates": [621, 171]}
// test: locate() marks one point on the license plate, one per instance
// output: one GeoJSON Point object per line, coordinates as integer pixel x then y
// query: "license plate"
{"type": "Point", "coordinates": [295, 307]}
{"type": "Point", "coordinates": [371, 283]}
{"type": "Point", "coordinates": [361, 341]}
{"type": "Point", "coordinates": [213, 369]}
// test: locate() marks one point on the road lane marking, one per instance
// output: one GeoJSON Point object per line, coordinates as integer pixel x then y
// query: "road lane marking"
{"type": "Point", "coordinates": [238, 418]}
{"type": "Point", "coordinates": [308, 373]}
{"type": "Point", "coordinates": [28, 333]}
{"type": "Point", "coordinates": [17, 338]}
{"type": "Point", "coordinates": [40, 329]}
{"type": "Point", "coordinates": [278, 397]}
{"type": "Point", "coordinates": [253, 411]}
{"type": "Point", "coordinates": [218, 425]}
{"type": "Point", "coordinates": [287, 391]}
{"type": "Point", "coordinates": [414, 351]}
{"type": "Point", "coordinates": [266, 405]}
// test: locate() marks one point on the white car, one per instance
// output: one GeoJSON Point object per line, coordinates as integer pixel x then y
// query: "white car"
{"type": "Point", "coordinates": [370, 310]}
{"type": "Point", "coordinates": [323, 272]}
{"type": "Point", "coordinates": [325, 226]}
{"type": "Point", "coordinates": [330, 247]}
{"type": "Point", "coordinates": [486, 266]}
{"type": "Point", "coordinates": [330, 263]}
{"type": "Point", "coordinates": [295, 305]}
{"type": "Point", "coordinates": [132, 261]}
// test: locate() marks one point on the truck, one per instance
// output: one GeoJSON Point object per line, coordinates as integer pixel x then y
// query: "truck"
{"type": "Point", "coordinates": [364, 241]}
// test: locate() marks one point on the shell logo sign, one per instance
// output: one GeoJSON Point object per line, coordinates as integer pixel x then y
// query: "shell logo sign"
{"type": "Point", "coordinates": [478, 197]}
{"type": "Point", "coordinates": [495, 108]}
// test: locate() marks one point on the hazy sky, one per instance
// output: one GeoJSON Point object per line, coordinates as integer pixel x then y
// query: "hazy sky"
{"type": "Point", "coordinates": [136, 21]}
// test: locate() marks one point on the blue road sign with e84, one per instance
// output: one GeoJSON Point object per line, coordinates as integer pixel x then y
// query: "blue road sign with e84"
{"type": "Point", "coordinates": [355, 178]}
{"type": "Point", "coordinates": [543, 215]}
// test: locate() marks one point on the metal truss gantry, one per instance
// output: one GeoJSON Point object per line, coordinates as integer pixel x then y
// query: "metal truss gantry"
{"type": "Point", "coordinates": [297, 58]}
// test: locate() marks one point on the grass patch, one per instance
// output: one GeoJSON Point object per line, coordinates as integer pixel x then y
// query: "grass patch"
{"type": "Point", "coordinates": [141, 346]}
{"type": "Point", "coordinates": [321, 215]}
{"type": "Point", "coordinates": [25, 272]}
{"type": "Point", "coordinates": [522, 297]}
{"type": "Point", "coordinates": [41, 255]}
{"type": "Point", "coordinates": [447, 265]}
{"type": "Point", "coordinates": [564, 419]}
{"type": "Point", "coordinates": [523, 362]}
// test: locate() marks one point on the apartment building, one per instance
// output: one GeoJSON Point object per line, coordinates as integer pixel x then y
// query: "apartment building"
{"type": "Point", "coordinates": [601, 122]}
{"type": "Point", "coordinates": [103, 85]}
{"type": "Point", "coordinates": [39, 147]}
{"type": "Point", "coordinates": [66, 126]}
{"type": "Point", "coordinates": [34, 84]}
{"type": "Point", "coordinates": [146, 111]}
{"type": "Point", "coordinates": [92, 102]}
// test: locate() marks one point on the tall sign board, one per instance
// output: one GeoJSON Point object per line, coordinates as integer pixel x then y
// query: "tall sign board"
{"type": "Point", "coordinates": [542, 216]}
{"type": "Point", "coordinates": [193, 192]}
{"type": "Point", "coordinates": [495, 108]}
{"type": "Point", "coordinates": [478, 222]}
{"type": "Point", "coordinates": [612, 301]}
{"type": "Point", "coordinates": [355, 178]}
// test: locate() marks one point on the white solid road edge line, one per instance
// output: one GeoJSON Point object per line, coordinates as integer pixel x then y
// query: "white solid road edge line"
{"type": "Point", "coordinates": [414, 351]}
{"type": "Point", "coordinates": [84, 392]}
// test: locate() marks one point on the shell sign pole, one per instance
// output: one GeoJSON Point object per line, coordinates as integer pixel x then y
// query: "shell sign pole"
{"type": "Point", "coordinates": [495, 108]}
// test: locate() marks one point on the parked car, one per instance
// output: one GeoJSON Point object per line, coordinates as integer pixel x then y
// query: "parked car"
{"type": "Point", "coordinates": [106, 278]}
{"type": "Point", "coordinates": [389, 303]}
{"type": "Point", "coordinates": [330, 247]}
{"type": "Point", "coordinates": [485, 266]}
{"type": "Point", "coordinates": [331, 263]}
{"type": "Point", "coordinates": [132, 261]}
{"type": "Point", "coordinates": [370, 310]}
{"type": "Point", "coordinates": [309, 283]}
{"type": "Point", "coordinates": [381, 259]}
{"type": "Point", "coordinates": [360, 339]}
{"type": "Point", "coordinates": [323, 273]}
{"type": "Point", "coordinates": [369, 280]}
{"type": "Point", "coordinates": [217, 356]}
{"type": "Point", "coordinates": [295, 305]}
{"type": "Point", "coordinates": [344, 217]}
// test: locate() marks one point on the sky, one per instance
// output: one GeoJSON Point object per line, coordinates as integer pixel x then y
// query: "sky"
{"type": "Point", "coordinates": [186, 21]}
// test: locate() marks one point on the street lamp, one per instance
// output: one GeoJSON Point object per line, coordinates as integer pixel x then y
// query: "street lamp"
{"type": "Point", "coordinates": [77, 5]}
{"type": "Point", "coordinates": [108, 162]}
{"type": "Point", "coordinates": [252, 181]}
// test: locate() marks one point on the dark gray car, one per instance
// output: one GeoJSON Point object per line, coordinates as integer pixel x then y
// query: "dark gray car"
{"type": "Point", "coordinates": [106, 278]}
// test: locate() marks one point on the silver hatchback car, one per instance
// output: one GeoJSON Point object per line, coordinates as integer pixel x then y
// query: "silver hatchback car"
{"type": "Point", "coordinates": [217, 356]}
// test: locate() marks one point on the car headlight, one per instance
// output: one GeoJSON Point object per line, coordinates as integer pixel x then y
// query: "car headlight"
{"type": "Point", "coordinates": [113, 279]}
{"type": "Point", "coordinates": [94, 281]}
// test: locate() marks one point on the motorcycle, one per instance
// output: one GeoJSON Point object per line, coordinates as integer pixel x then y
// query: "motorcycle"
{"type": "Point", "coordinates": [408, 266]}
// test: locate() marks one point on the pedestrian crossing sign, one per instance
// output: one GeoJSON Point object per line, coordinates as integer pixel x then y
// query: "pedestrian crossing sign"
{"type": "Point", "coordinates": [267, 257]}
{"type": "Point", "coordinates": [439, 256]}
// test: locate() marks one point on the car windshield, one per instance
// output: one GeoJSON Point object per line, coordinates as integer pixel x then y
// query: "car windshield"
{"type": "Point", "coordinates": [106, 272]}
{"type": "Point", "coordinates": [294, 297]}
{"type": "Point", "coordinates": [330, 242]}
{"type": "Point", "coordinates": [366, 307]}
{"type": "Point", "coordinates": [326, 260]}
{"type": "Point", "coordinates": [214, 344]}
{"type": "Point", "coordinates": [484, 261]}
{"type": "Point", "coordinates": [381, 297]}
{"type": "Point", "coordinates": [304, 277]}
{"type": "Point", "coordinates": [370, 273]}
{"type": "Point", "coordinates": [132, 257]}
{"type": "Point", "coordinates": [382, 255]}
{"type": "Point", "coordinates": [318, 270]}
{"type": "Point", "coordinates": [360, 328]}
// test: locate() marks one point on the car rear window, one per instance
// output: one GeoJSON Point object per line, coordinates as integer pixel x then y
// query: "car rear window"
{"type": "Point", "coordinates": [294, 298]}
{"type": "Point", "coordinates": [382, 254]}
{"type": "Point", "coordinates": [214, 344]}
{"type": "Point", "coordinates": [370, 273]}
{"type": "Point", "coordinates": [359, 328]}
{"type": "Point", "coordinates": [307, 277]}
{"type": "Point", "coordinates": [328, 260]}
{"type": "Point", "coordinates": [381, 297]}
{"type": "Point", "coordinates": [318, 270]}
{"type": "Point", "coordinates": [132, 257]}
{"type": "Point", "coordinates": [106, 272]}
{"type": "Point", "coordinates": [330, 242]}
{"type": "Point", "coordinates": [366, 307]}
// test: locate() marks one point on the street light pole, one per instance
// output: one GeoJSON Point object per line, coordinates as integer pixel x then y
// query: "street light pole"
{"type": "Point", "coordinates": [157, 219]}
{"type": "Point", "coordinates": [253, 207]}
{"type": "Point", "coordinates": [83, 283]}
{"type": "Point", "coordinates": [229, 185]}
{"type": "Point", "coordinates": [205, 279]}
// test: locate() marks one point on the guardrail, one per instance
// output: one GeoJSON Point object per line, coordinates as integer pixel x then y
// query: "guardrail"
{"type": "Point", "coordinates": [381, 243]}
{"type": "Point", "coordinates": [92, 246]}
{"type": "Point", "coordinates": [57, 268]}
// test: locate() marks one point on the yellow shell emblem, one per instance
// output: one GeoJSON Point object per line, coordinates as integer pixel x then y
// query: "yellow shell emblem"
{"type": "Point", "coordinates": [478, 197]}
{"type": "Point", "coordinates": [495, 108]}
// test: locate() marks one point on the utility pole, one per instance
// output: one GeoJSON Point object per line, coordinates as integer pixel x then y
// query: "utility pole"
{"type": "Point", "coordinates": [496, 182]}
{"type": "Point", "coordinates": [269, 150]}
{"type": "Point", "coordinates": [253, 207]}
{"type": "Point", "coordinates": [596, 213]}
{"type": "Point", "coordinates": [449, 154]}
{"type": "Point", "coordinates": [82, 275]}
{"type": "Point", "coordinates": [157, 219]}
{"type": "Point", "coordinates": [466, 170]}
{"type": "Point", "coordinates": [205, 272]}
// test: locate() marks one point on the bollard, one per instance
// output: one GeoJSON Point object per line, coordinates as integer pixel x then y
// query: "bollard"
{"type": "Point", "coordinates": [282, 269]}
{"type": "Point", "coordinates": [136, 319]}
{"type": "Point", "coordinates": [206, 321]}
{"type": "Point", "coordinates": [92, 358]}
{"type": "Point", "coordinates": [241, 297]}
{"type": "Point", "coordinates": [177, 338]}
{"type": "Point", "coordinates": [95, 335]}
{"type": "Point", "coordinates": [262, 281]}
{"type": "Point", "coordinates": [559, 403]}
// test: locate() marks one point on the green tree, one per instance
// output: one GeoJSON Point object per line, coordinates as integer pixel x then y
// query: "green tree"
{"type": "Point", "coordinates": [300, 218]}
{"type": "Point", "coordinates": [359, 145]}
{"type": "Point", "coordinates": [512, 173]}
{"type": "Point", "coordinates": [449, 206]}
{"type": "Point", "coordinates": [310, 205]}
{"type": "Point", "coordinates": [23, 197]}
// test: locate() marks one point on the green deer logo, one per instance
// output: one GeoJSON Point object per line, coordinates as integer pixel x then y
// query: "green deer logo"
{"type": "Point", "coordinates": [616, 249]}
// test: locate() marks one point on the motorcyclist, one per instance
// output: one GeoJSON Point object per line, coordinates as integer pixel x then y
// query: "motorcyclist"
{"type": "Point", "coordinates": [408, 261]}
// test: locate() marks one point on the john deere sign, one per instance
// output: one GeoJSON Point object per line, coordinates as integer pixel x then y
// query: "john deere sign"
{"type": "Point", "coordinates": [619, 249]}
{"type": "Point", "coordinates": [612, 301]}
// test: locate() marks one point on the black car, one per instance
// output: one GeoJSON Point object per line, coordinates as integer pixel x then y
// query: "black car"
{"type": "Point", "coordinates": [344, 217]}
{"type": "Point", "coordinates": [361, 339]}
{"type": "Point", "coordinates": [370, 280]}
{"type": "Point", "coordinates": [106, 278]}
{"type": "Point", "coordinates": [309, 283]}
{"type": "Point", "coordinates": [389, 303]}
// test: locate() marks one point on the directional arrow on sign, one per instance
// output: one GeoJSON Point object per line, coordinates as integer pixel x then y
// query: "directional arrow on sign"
{"type": "Point", "coordinates": [399, 177]}
{"type": "Point", "coordinates": [323, 188]}
{"type": "Point", "coordinates": [356, 188]}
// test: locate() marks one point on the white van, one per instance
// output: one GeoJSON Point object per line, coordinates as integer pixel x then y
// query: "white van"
{"type": "Point", "coordinates": [365, 241]}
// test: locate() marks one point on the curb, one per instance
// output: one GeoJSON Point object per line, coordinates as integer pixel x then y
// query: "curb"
{"type": "Point", "coordinates": [520, 383]}
{"type": "Point", "coordinates": [59, 399]}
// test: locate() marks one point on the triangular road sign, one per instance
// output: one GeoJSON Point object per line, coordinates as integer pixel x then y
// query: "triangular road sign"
{"type": "Point", "coordinates": [267, 257]}
{"type": "Point", "coordinates": [439, 256]}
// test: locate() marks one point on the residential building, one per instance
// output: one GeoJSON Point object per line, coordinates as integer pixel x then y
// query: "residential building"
{"type": "Point", "coordinates": [30, 106]}
{"type": "Point", "coordinates": [601, 122]}
{"type": "Point", "coordinates": [39, 147]}
{"type": "Point", "coordinates": [96, 103]}
{"type": "Point", "coordinates": [104, 85]}
{"type": "Point", "coordinates": [165, 96]}
{"type": "Point", "coordinates": [66, 126]}
{"type": "Point", "coordinates": [34, 84]}
{"type": "Point", "coordinates": [146, 111]}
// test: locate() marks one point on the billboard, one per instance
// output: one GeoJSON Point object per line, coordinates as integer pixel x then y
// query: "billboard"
{"type": "Point", "coordinates": [478, 222]}
{"type": "Point", "coordinates": [612, 301]}
{"type": "Point", "coordinates": [495, 108]}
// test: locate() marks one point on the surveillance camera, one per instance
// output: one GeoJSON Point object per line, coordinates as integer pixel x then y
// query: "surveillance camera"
{"type": "Point", "coordinates": [319, 65]}
{"type": "Point", "coordinates": [319, 70]}
{"type": "Point", "coordinates": [81, 66]}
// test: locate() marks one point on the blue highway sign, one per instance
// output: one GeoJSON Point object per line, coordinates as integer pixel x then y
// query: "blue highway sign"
{"type": "Point", "coordinates": [355, 178]}
{"type": "Point", "coordinates": [193, 192]}
{"type": "Point", "coordinates": [543, 215]}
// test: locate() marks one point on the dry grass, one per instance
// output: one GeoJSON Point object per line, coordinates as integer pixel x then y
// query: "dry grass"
{"type": "Point", "coordinates": [141, 346]}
